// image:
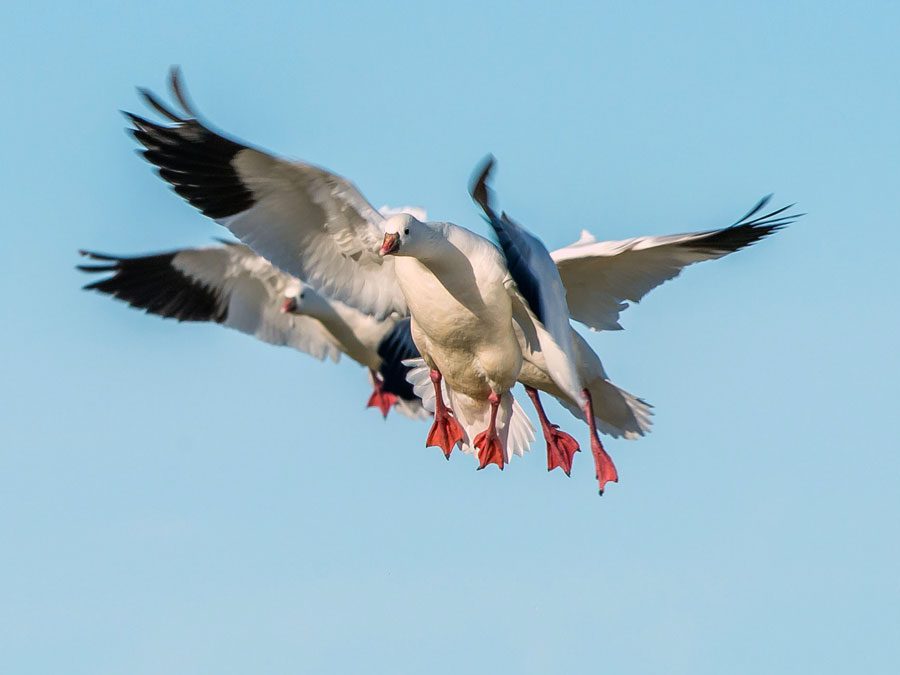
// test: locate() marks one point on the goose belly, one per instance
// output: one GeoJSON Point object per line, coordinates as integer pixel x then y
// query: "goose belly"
{"type": "Point", "coordinates": [466, 334]}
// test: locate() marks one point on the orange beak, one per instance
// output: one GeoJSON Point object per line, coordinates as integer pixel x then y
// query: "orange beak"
{"type": "Point", "coordinates": [390, 244]}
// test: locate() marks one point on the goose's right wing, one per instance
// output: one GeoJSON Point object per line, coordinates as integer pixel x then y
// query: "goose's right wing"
{"type": "Point", "coordinates": [229, 285]}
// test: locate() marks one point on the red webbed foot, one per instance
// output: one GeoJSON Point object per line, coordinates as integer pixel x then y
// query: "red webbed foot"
{"type": "Point", "coordinates": [445, 433]}
{"type": "Point", "coordinates": [490, 449]}
{"type": "Point", "coordinates": [605, 469]}
{"type": "Point", "coordinates": [561, 449]}
{"type": "Point", "coordinates": [382, 400]}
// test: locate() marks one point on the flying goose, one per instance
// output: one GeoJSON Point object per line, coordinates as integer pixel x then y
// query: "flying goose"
{"type": "Point", "coordinates": [232, 286]}
{"type": "Point", "coordinates": [318, 227]}
{"type": "Point", "coordinates": [593, 279]}
{"type": "Point", "coordinates": [539, 281]}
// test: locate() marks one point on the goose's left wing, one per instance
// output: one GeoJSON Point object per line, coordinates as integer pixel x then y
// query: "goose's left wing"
{"type": "Point", "coordinates": [308, 221]}
{"type": "Point", "coordinates": [601, 277]}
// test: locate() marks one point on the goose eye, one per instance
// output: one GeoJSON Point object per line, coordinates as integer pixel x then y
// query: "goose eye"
{"type": "Point", "coordinates": [302, 294]}
{"type": "Point", "coordinates": [406, 231]}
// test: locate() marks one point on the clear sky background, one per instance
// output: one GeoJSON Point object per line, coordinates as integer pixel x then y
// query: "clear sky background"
{"type": "Point", "coordinates": [182, 499]}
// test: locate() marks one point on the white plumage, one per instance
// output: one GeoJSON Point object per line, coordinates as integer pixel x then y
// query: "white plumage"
{"type": "Point", "coordinates": [477, 314]}
{"type": "Point", "coordinates": [233, 286]}
{"type": "Point", "coordinates": [601, 277]}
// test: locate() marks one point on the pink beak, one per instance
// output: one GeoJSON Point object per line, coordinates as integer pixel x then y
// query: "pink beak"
{"type": "Point", "coordinates": [289, 306]}
{"type": "Point", "coordinates": [390, 244]}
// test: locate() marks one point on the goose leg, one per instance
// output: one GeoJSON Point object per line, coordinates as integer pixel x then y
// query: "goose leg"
{"type": "Point", "coordinates": [606, 470]}
{"type": "Point", "coordinates": [381, 399]}
{"type": "Point", "coordinates": [561, 447]}
{"type": "Point", "coordinates": [488, 442]}
{"type": "Point", "coordinates": [446, 431]}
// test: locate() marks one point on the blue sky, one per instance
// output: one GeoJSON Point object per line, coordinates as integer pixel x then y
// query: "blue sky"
{"type": "Point", "coordinates": [182, 499]}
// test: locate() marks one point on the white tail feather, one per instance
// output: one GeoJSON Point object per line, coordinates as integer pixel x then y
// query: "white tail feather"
{"type": "Point", "coordinates": [521, 431]}
{"type": "Point", "coordinates": [513, 426]}
{"type": "Point", "coordinates": [419, 376]}
{"type": "Point", "coordinates": [618, 413]}
{"type": "Point", "coordinates": [414, 410]}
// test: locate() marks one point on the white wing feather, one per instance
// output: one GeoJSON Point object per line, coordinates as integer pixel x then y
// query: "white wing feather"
{"type": "Point", "coordinates": [255, 290]}
{"type": "Point", "coordinates": [600, 277]}
{"type": "Point", "coordinates": [515, 429]}
{"type": "Point", "coordinates": [318, 227]}
{"type": "Point", "coordinates": [309, 222]}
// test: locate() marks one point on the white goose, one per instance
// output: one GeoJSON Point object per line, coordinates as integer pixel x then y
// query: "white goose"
{"type": "Point", "coordinates": [466, 315]}
{"type": "Point", "coordinates": [232, 286]}
{"type": "Point", "coordinates": [597, 278]}
{"type": "Point", "coordinates": [600, 403]}
{"type": "Point", "coordinates": [318, 227]}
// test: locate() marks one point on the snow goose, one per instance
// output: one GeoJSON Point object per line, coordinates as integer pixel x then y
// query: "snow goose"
{"type": "Point", "coordinates": [597, 278]}
{"type": "Point", "coordinates": [234, 287]}
{"type": "Point", "coordinates": [309, 222]}
{"type": "Point", "coordinates": [537, 277]}
{"type": "Point", "coordinates": [462, 303]}
{"type": "Point", "coordinates": [317, 226]}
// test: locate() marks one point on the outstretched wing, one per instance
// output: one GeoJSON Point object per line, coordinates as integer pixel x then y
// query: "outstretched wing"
{"type": "Point", "coordinates": [538, 283]}
{"type": "Point", "coordinates": [229, 285]}
{"type": "Point", "coordinates": [308, 221]}
{"type": "Point", "coordinates": [600, 277]}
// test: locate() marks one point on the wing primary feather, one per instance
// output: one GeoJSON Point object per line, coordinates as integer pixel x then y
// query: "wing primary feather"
{"type": "Point", "coordinates": [748, 230]}
{"type": "Point", "coordinates": [538, 282]}
{"type": "Point", "coordinates": [151, 100]}
{"type": "Point", "coordinates": [478, 187]}
{"type": "Point", "coordinates": [310, 222]}
{"type": "Point", "coordinates": [93, 255]}
{"type": "Point", "coordinates": [756, 208]}
{"type": "Point", "coordinates": [153, 284]}
{"type": "Point", "coordinates": [176, 83]}
{"type": "Point", "coordinates": [96, 268]}
{"type": "Point", "coordinates": [515, 242]}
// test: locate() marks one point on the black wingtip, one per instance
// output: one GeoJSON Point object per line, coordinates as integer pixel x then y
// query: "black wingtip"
{"type": "Point", "coordinates": [94, 255]}
{"type": "Point", "coordinates": [179, 91]}
{"type": "Point", "coordinates": [478, 187]}
{"type": "Point", "coordinates": [152, 283]}
{"type": "Point", "coordinates": [151, 100]}
{"type": "Point", "coordinates": [753, 227]}
{"type": "Point", "coordinates": [96, 268]}
{"type": "Point", "coordinates": [756, 208]}
{"type": "Point", "coordinates": [771, 219]}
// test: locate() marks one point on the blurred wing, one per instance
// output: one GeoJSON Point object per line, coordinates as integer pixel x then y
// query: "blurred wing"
{"type": "Point", "coordinates": [229, 285]}
{"type": "Point", "coordinates": [416, 212]}
{"type": "Point", "coordinates": [601, 276]}
{"type": "Point", "coordinates": [538, 284]}
{"type": "Point", "coordinates": [307, 221]}
{"type": "Point", "coordinates": [395, 348]}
